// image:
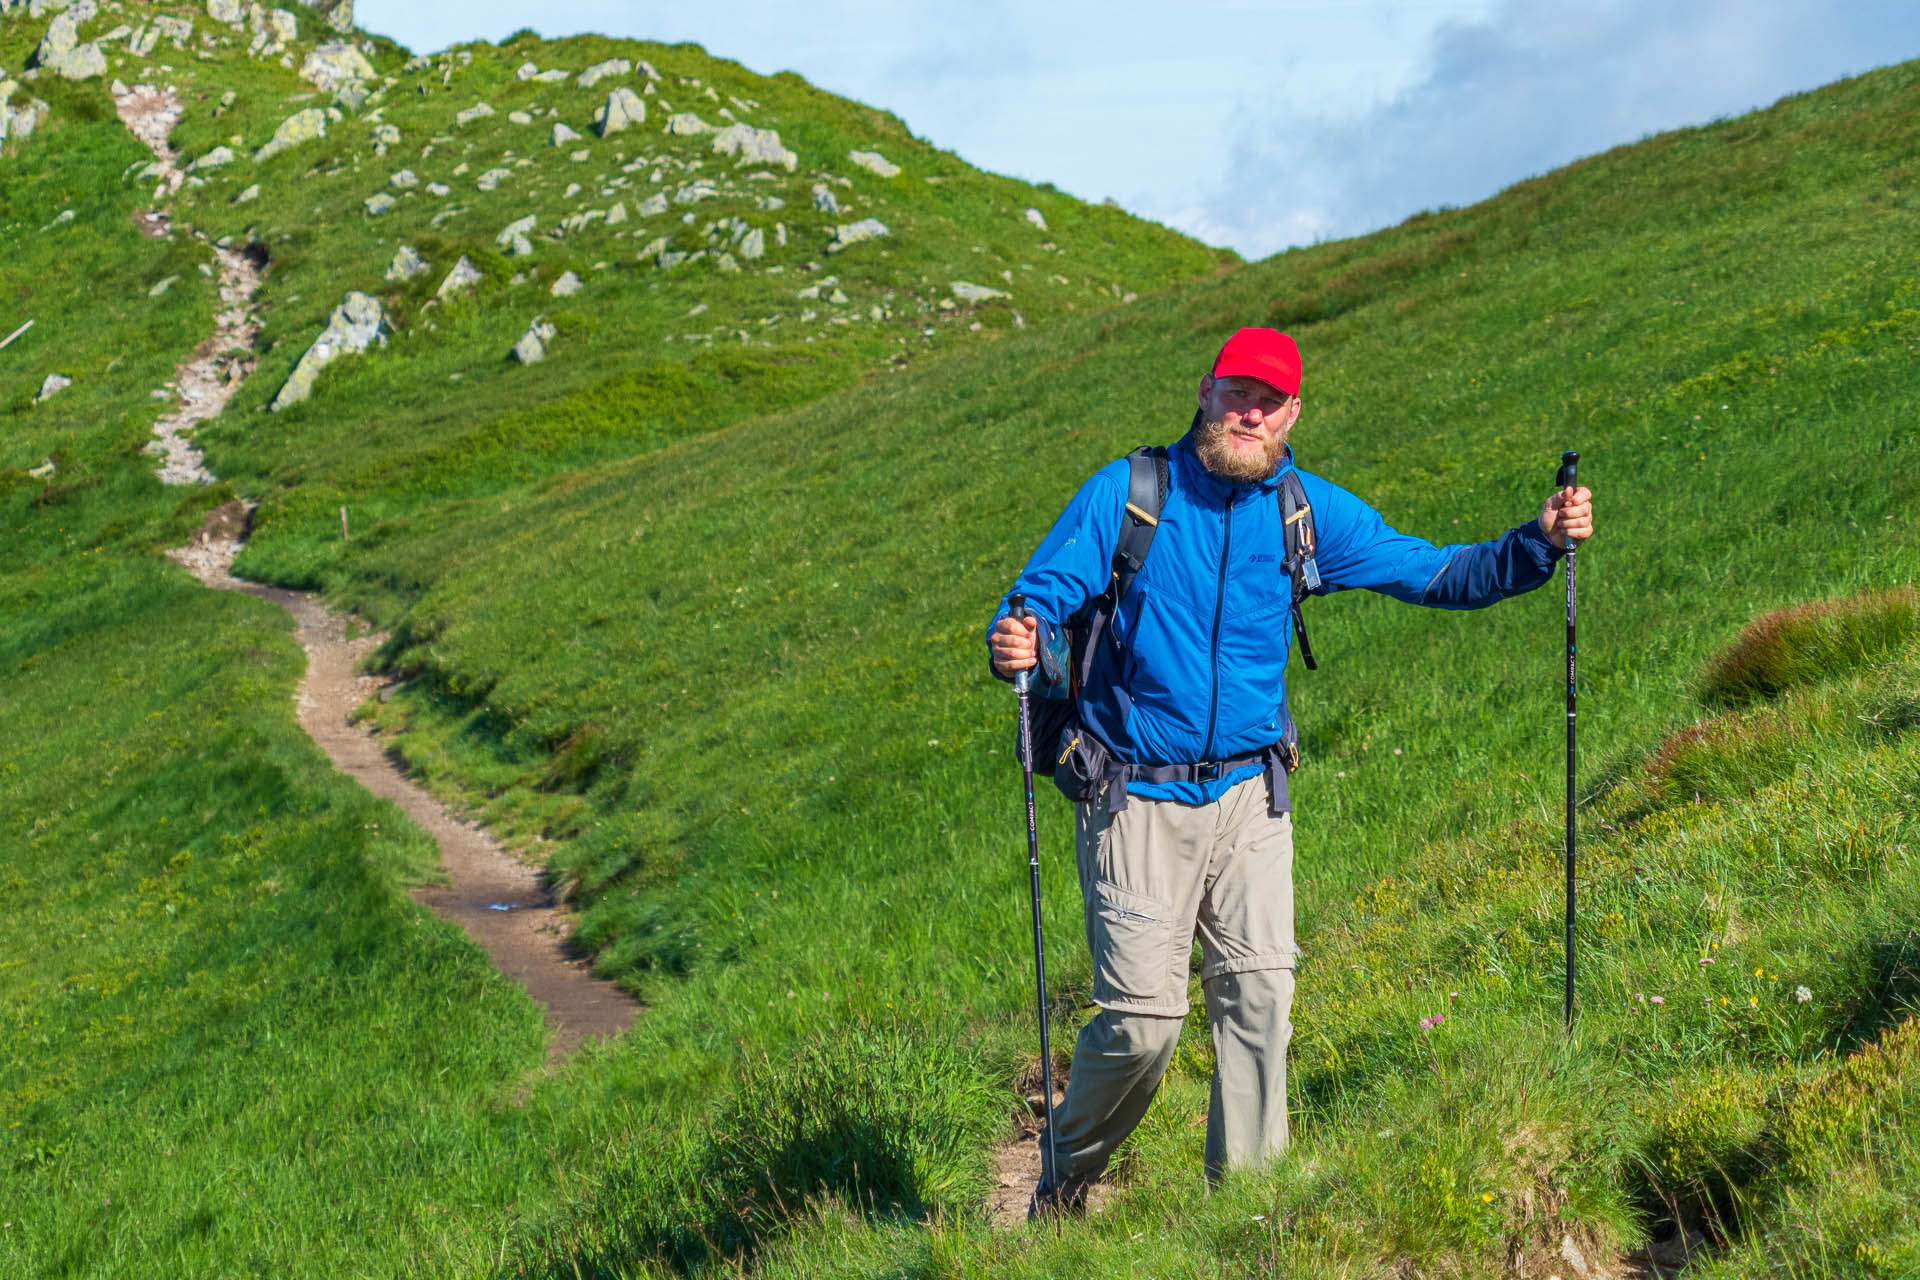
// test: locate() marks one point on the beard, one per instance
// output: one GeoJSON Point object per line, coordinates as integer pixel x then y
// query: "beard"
{"type": "Point", "coordinates": [1217, 454]}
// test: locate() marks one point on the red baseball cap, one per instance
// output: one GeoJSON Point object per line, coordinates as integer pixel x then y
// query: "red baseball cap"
{"type": "Point", "coordinates": [1266, 354]}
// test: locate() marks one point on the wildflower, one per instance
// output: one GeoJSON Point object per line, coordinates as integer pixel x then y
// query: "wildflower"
{"type": "Point", "coordinates": [1705, 961]}
{"type": "Point", "coordinates": [1656, 999]}
{"type": "Point", "coordinates": [1801, 995]}
{"type": "Point", "coordinates": [1429, 1023]}
{"type": "Point", "coordinates": [1753, 1002]}
{"type": "Point", "coordinates": [1723, 1001]}
{"type": "Point", "coordinates": [1759, 973]}
{"type": "Point", "coordinates": [1452, 996]}
{"type": "Point", "coordinates": [1486, 1197]}
{"type": "Point", "coordinates": [1396, 751]}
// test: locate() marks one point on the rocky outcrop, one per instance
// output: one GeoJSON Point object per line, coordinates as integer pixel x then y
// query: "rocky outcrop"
{"type": "Point", "coordinates": [622, 110]}
{"type": "Point", "coordinates": [354, 326]}
{"type": "Point", "coordinates": [1037, 219]}
{"type": "Point", "coordinates": [566, 286]}
{"type": "Point", "coordinates": [532, 347]}
{"type": "Point", "coordinates": [407, 264]}
{"type": "Point", "coordinates": [333, 67]}
{"type": "Point", "coordinates": [53, 385]}
{"type": "Point", "coordinates": [854, 233]}
{"type": "Point", "coordinates": [754, 146]}
{"type": "Point", "coordinates": [874, 162]}
{"type": "Point", "coordinates": [687, 125]}
{"type": "Point", "coordinates": [478, 111]}
{"type": "Point", "coordinates": [601, 70]}
{"type": "Point", "coordinates": [823, 198]}
{"type": "Point", "coordinates": [563, 135]}
{"type": "Point", "coordinates": [463, 276]}
{"type": "Point", "coordinates": [337, 14]}
{"type": "Point", "coordinates": [301, 126]}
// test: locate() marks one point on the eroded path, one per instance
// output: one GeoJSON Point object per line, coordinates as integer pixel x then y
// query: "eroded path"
{"type": "Point", "coordinates": [501, 902]}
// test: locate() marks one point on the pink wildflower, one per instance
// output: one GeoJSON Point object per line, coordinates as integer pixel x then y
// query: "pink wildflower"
{"type": "Point", "coordinates": [1656, 999]}
{"type": "Point", "coordinates": [1429, 1023]}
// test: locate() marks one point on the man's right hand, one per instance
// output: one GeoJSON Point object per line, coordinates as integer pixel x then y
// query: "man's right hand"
{"type": "Point", "coordinates": [1014, 645]}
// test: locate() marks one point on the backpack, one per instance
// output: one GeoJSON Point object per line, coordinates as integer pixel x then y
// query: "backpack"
{"type": "Point", "coordinates": [1147, 483]}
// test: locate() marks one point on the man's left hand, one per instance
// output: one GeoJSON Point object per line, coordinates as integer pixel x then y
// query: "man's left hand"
{"type": "Point", "coordinates": [1567, 517]}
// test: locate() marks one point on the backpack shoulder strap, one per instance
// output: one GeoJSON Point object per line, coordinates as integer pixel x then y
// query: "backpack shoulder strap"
{"type": "Point", "coordinates": [1147, 480]}
{"type": "Point", "coordinates": [1296, 518]}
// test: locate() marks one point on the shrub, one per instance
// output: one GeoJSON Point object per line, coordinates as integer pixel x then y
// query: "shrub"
{"type": "Point", "coordinates": [1810, 642]}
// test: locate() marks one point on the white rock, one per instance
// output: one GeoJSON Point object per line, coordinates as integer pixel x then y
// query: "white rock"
{"type": "Point", "coordinates": [251, 193]}
{"type": "Point", "coordinates": [874, 162]}
{"type": "Point", "coordinates": [754, 146]}
{"type": "Point", "coordinates": [563, 135]}
{"type": "Point", "coordinates": [464, 273]}
{"type": "Point", "coordinates": [532, 347]}
{"type": "Point", "coordinates": [212, 160]}
{"type": "Point", "coordinates": [379, 203]}
{"type": "Point", "coordinates": [687, 125]}
{"type": "Point", "coordinates": [581, 156]}
{"type": "Point", "coordinates": [622, 109]}
{"type": "Point", "coordinates": [601, 70]}
{"type": "Point", "coordinates": [302, 126]}
{"type": "Point", "coordinates": [566, 286]}
{"type": "Point", "coordinates": [654, 205]}
{"type": "Point", "coordinates": [52, 387]}
{"type": "Point", "coordinates": [478, 111]}
{"type": "Point", "coordinates": [334, 66]}
{"type": "Point", "coordinates": [161, 288]}
{"type": "Point", "coordinates": [753, 244]}
{"type": "Point", "coordinates": [617, 214]}
{"type": "Point", "coordinates": [354, 326]}
{"type": "Point", "coordinates": [1034, 216]}
{"type": "Point", "coordinates": [230, 12]}
{"type": "Point", "coordinates": [404, 179]}
{"type": "Point", "coordinates": [407, 264]}
{"type": "Point", "coordinates": [492, 178]}
{"type": "Point", "coordinates": [823, 198]}
{"type": "Point", "coordinates": [178, 30]}
{"type": "Point", "coordinates": [527, 71]}
{"type": "Point", "coordinates": [854, 233]}
{"type": "Point", "coordinates": [976, 292]}
{"type": "Point", "coordinates": [553, 76]}
{"type": "Point", "coordinates": [515, 229]}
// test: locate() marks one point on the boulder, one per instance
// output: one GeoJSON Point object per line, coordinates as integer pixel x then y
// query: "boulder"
{"type": "Point", "coordinates": [519, 117]}
{"type": "Point", "coordinates": [439, 189]}
{"type": "Point", "coordinates": [283, 26]}
{"type": "Point", "coordinates": [566, 286]}
{"type": "Point", "coordinates": [874, 162]}
{"type": "Point", "coordinates": [301, 126]}
{"type": "Point", "coordinates": [160, 289]}
{"type": "Point", "coordinates": [231, 12]}
{"type": "Point", "coordinates": [687, 125]}
{"type": "Point", "coordinates": [526, 71]}
{"type": "Point", "coordinates": [52, 387]}
{"type": "Point", "coordinates": [354, 326]}
{"type": "Point", "coordinates": [754, 146]}
{"type": "Point", "coordinates": [143, 41]}
{"type": "Point", "coordinates": [517, 229]}
{"type": "Point", "coordinates": [404, 179]}
{"type": "Point", "coordinates": [622, 109]}
{"type": "Point", "coordinates": [334, 66]}
{"type": "Point", "coordinates": [532, 347]}
{"type": "Point", "coordinates": [654, 205]}
{"type": "Point", "coordinates": [823, 198]}
{"type": "Point", "coordinates": [337, 14]}
{"type": "Point", "coordinates": [976, 292]}
{"type": "Point", "coordinates": [62, 37]}
{"type": "Point", "coordinates": [82, 62]}
{"type": "Point", "coordinates": [553, 75]}
{"type": "Point", "coordinates": [251, 193]}
{"type": "Point", "coordinates": [178, 30]}
{"type": "Point", "coordinates": [386, 135]}
{"type": "Point", "coordinates": [492, 178]}
{"type": "Point", "coordinates": [617, 214]}
{"type": "Point", "coordinates": [212, 160]}
{"type": "Point", "coordinates": [379, 203]}
{"type": "Point", "coordinates": [1034, 216]}
{"type": "Point", "coordinates": [601, 70]}
{"type": "Point", "coordinates": [854, 233]}
{"type": "Point", "coordinates": [463, 275]}
{"type": "Point", "coordinates": [407, 264]}
{"type": "Point", "coordinates": [563, 135]}
{"type": "Point", "coordinates": [478, 111]}
{"type": "Point", "coordinates": [753, 244]}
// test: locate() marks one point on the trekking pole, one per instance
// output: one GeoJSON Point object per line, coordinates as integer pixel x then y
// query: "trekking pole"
{"type": "Point", "coordinates": [1569, 461]}
{"type": "Point", "coordinates": [1023, 686]}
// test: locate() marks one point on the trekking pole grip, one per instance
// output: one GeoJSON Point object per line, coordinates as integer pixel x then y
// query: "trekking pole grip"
{"type": "Point", "coordinates": [1017, 609]}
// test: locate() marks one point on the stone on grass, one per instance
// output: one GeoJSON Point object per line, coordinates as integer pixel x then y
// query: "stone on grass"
{"type": "Point", "coordinates": [407, 264]}
{"type": "Point", "coordinates": [566, 286]}
{"type": "Point", "coordinates": [694, 192]}
{"type": "Point", "coordinates": [874, 162]}
{"type": "Point", "coordinates": [527, 71]}
{"type": "Point", "coordinates": [337, 14]}
{"type": "Point", "coordinates": [354, 326]}
{"type": "Point", "coordinates": [301, 126]}
{"type": "Point", "coordinates": [622, 109]}
{"type": "Point", "coordinates": [332, 67]}
{"type": "Point", "coordinates": [478, 111]}
{"type": "Point", "coordinates": [161, 288]}
{"type": "Point", "coordinates": [753, 244]}
{"type": "Point", "coordinates": [532, 347]}
{"type": "Point", "coordinates": [379, 203]}
{"type": "Point", "coordinates": [143, 41]}
{"type": "Point", "coordinates": [601, 70]}
{"type": "Point", "coordinates": [976, 292]}
{"type": "Point", "coordinates": [492, 178]}
{"type": "Point", "coordinates": [251, 193]}
{"type": "Point", "coordinates": [517, 231]}
{"type": "Point", "coordinates": [178, 30]}
{"type": "Point", "coordinates": [82, 62]}
{"type": "Point", "coordinates": [823, 198]}
{"type": "Point", "coordinates": [687, 125]}
{"type": "Point", "coordinates": [581, 156]}
{"type": "Point", "coordinates": [519, 117]}
{"type": "Point", "coordinates": [439, 189]}
{"type": "Point", "coordinates": [553, 75]}
{"type": "Point", "coordinates": [385, 134]}
{"type": "Point", "coordinates": [212, 160]}
{"type": "Point", "coordinates": [52, 387]}
{"type": "Point", "coordinates": [654, 205]}
{"type": "Point", "coordinates": [853, 233]}
{"type": "Point", "coordinates": [230, 12]}
{"type": "Point", "coordinates": [1034, 216]}
{"type": "Point", "coordinates": [404, 179]}
{"type": "Point", "coordinates": [754, 146]}
{"type": "Point", "coordinates": [563, 135]}
{"type": "Point", "coordinates": [463, 275]}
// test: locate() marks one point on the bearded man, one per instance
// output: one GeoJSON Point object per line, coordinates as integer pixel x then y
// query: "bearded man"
{"type": "Point", "coordinates": [1186, 828]}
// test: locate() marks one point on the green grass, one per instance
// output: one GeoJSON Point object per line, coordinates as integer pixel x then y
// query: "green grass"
{"type": "Point", "coordinates": [700, 625]}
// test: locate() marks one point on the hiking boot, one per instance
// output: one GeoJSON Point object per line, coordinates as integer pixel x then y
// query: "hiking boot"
{"type": "Point", "coordinates": [1069, 1199]}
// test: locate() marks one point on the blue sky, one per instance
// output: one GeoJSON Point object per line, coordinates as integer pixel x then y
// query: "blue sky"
{"type": "Point", "coordinates": [1255, 125]}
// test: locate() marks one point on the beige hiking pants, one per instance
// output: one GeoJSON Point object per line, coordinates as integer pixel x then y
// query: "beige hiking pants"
{"type": "Point", "coordinates": [1151, 877]}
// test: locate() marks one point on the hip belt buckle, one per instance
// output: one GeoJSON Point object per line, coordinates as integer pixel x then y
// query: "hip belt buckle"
{"type": "Point", "coordinates": [1208, 771]}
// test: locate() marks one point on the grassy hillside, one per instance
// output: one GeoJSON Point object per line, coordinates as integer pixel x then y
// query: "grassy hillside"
{"type": "Point", "coordinates": [721, 666]}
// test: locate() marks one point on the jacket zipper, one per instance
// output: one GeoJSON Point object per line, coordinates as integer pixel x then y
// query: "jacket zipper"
{"type": "Point", "coordinates": [1219, 606]}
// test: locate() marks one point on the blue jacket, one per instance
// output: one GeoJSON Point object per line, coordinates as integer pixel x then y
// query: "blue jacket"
{"type": "Point", "coordinates": [1197, 670]}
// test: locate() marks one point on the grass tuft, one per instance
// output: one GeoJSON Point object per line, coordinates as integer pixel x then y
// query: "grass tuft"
{"type": "Point", "coordinates": [1808, 642]}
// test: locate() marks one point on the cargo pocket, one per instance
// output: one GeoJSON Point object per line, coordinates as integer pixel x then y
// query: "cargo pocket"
{"type": "Point", "coordinates": [1131, 934]}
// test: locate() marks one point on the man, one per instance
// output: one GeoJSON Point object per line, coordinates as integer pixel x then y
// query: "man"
{"type": "Point", "coordinates": [1192, 831]}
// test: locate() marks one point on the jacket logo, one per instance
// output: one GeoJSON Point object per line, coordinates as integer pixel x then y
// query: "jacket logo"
{"type": "Point", "coordinates": [1261, 559]}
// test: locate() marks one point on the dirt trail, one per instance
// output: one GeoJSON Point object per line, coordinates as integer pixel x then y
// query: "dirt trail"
{"type": "Point", "coordinates": [500, 901]}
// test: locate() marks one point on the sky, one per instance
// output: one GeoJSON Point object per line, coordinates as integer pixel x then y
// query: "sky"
{"type": "Point", "coordinates": [1258, 126]}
